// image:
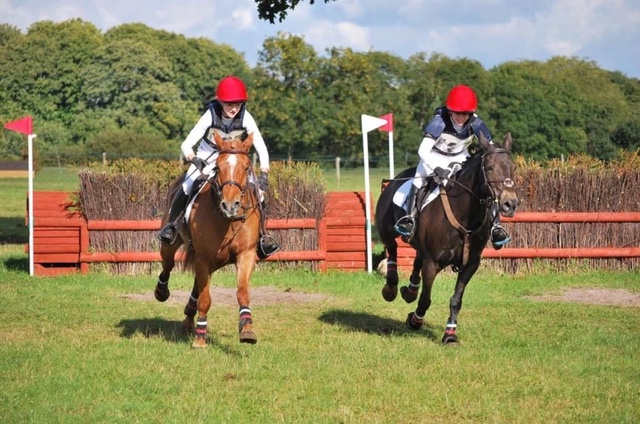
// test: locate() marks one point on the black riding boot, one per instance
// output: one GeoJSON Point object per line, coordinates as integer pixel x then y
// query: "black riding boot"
{"type": "Point", "coordinates": [267, 245]}
{"type": "Point", "coordinates": [169, 231]}
{"type": "Point", "coordinates": [499, 236]}
{"type": "Point", "coordinates": [407, 224]}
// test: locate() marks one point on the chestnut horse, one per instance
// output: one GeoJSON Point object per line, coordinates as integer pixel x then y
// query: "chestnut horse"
{"type": "Point", "coordinates": [453, 229]}
{"type": "Point", "coordinates": [223, 228]}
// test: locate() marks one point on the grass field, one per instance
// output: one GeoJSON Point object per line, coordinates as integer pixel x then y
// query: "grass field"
{"type": "Point", "coordinates": [98, 348]}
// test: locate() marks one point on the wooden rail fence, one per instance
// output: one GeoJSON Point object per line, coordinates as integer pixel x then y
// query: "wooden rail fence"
{"type": "Point", "coordinates": [62, 242]}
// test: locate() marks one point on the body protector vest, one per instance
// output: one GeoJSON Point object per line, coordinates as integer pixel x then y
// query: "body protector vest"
{"type": "Point", "coordinates": [217, 123]}
{"type": "Point", "coordinates": [448, 140]}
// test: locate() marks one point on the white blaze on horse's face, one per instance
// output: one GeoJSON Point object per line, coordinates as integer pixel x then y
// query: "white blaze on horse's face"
{"type": "Point", "coordinates": [232, 183]}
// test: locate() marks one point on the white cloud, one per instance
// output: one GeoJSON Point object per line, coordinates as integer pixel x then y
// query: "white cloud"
{"type": "Point", "coordinates": [340, 34]}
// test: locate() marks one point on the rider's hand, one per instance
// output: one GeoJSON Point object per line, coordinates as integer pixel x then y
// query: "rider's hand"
{"type": "Point", "coordinates": [199, 163]}
{"type": "Point", "coordinates": [441, 172]}
{"type": "Point", "coordinates": [263, 181]}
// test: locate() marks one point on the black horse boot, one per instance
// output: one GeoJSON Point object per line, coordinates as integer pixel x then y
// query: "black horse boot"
{"type": "Point", "coordinates": [169, 231]}
{"type": "Point", "coordinates": [267, 245]}
{"type": "Point", "coordinates": [499, 236]}
{"type": "Point", "coordinates": [407, 224]}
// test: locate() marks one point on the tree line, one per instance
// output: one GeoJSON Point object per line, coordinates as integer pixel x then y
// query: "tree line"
{"type": "Point", "coordinates": [137, 91]}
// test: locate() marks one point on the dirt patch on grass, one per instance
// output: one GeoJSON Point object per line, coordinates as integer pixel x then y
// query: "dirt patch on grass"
{"type": "Point", "coordinates": [617, 297]}
{"type": "Point", "coordinates": [227, 296]}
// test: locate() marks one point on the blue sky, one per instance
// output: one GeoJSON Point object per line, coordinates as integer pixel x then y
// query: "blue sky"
{"type": "Point", "coordinates": [489, 31]}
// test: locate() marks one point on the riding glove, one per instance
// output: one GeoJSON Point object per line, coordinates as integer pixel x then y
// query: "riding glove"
{"type": "Point", "coordinates": [263, 181]}
{"type": "Point", "coordinates": [441, 172]}
{"type": "Point", "coordinates": [199, 163]}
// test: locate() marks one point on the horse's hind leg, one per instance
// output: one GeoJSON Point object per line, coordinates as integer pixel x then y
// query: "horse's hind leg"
{"type": "Point", "coordinates": [167, 253]}
{"type": "Point", "coordinates": [410, 293]}
{"type": "Point", "coordinates": [429, 271]}
{"type": "Point", "coordinates": [191, 308]}
{"type": "Point", "coordinates": [390, 289]}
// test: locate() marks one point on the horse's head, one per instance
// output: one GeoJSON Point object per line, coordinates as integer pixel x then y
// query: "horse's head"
{"type": "Point", "coordinates": [499, 170]}
{"type": "Point", "coordinates": [233, 168]}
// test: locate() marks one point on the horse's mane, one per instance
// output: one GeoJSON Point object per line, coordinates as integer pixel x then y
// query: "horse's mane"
{"type": "Point", "coordinates": [472, 163]}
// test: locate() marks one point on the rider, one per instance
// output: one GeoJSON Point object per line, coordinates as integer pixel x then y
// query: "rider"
{"type": "Point", "coordinates": [446, 138]}
{"type": "Point", "coordinates": [226, 113]}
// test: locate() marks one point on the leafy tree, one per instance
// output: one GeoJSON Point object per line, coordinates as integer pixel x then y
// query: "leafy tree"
{"type": "Point", "coordinates": [268, 10]}
{"type": "Point", "coordinates": [42, 70]}
{"type": "Point", "coordinates": [287, 107]}
{"type": "Point", "coordinates": [359, 83]}
{"type": "Point", "coordinates": [197, 64]}
{"type": "Point", "coordinates": [131, 80]}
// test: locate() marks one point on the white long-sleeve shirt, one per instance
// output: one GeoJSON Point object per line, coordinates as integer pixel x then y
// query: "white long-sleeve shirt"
{"type": "Point", "coordinates": [206, 152]}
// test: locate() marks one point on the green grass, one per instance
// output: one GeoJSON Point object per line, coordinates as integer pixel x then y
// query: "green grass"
{"type": "Point", "coordinates": [74, 349]}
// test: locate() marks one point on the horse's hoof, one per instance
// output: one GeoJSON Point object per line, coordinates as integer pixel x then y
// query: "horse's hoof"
{"type": "Point", "coordinates": [408, 295]}
{"type": "Point", "coordinates": [188, 324]}
{"type": "Point", "coordinates": [248, 336]}
{"type": "Point", "coordinates": [450, 340]}
{"type": "Point", "coordinates": [413, 324]}
{"type": "Point", "coordinates": [199, 343]}
{"type": "Point", "coordinates": [389, 293]}
{"type": "Point", "coordinates": [161, 295]}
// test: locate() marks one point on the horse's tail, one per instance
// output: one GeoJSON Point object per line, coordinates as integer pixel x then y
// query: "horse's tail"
{"type": "Point", "coordinates": [189, 256]}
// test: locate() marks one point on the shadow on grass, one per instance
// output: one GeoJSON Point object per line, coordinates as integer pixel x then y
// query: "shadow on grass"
{"type": "Point", "coordinates": [17, 264]}
{"type": "Point", "coordinates": [13, 231]}
{"type": "Point", "coordinates": [368, 323]}
{"type": "Point", "coordinates": [170, 331]}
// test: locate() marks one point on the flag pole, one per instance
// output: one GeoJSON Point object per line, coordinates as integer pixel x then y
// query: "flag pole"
{"type": "Point", "coordinates": [368, 123]}
{"type": "Point", "coordinates": [391, 171]}
{"type": "Point", "coordinates": [30, 138]}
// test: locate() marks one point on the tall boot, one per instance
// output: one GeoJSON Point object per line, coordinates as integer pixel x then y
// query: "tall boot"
{"type": "Point", "coordinates": [267, 245]}
{"type": "Point", "coordinates": [499, 236]}
{"type": "Point", "coordinates": [407, 224]}
{"type": "Point", "coordinates": [169, 231]}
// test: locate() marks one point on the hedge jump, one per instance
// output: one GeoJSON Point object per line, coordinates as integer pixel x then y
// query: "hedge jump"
{"type": "Point", "coordinates": [62, 242]}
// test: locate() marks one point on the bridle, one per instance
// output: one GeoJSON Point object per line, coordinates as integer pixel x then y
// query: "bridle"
{"type": "Point", "coordinates": [491, 183]}
{"type": "Point", "coordinates": [218, 186]}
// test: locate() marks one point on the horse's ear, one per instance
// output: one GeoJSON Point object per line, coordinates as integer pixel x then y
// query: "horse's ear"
{"type": "Point", "coordinates": [486, 144]}
{"type": "Point", "coordinates": [217, 137]}
{"type": "Point", "coordinates": [249, 140]}
{"type": "Point", "coordinates": [507, 142]}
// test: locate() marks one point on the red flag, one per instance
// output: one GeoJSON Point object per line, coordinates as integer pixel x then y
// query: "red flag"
{"type": "Point", "coordinates": [388, 127]}
{"type": "Point", "coordinates": [22, 125]}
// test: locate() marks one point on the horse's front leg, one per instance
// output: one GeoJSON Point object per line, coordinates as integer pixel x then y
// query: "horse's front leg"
{"type": "Point", "coordinates": [410, 293]}
{"type": "Point", "coordinates": [167, 253]}
{"type": "Point", "coordinates": [455, 303]}
{"type": "Point", "coordinates": [390, 289]}
{"type": "Point", "coordinates": [245, 265]}
{"type": "Point", "coordinates": [202, 281]}
{"type": "Point", "coordinates": [429, 272]}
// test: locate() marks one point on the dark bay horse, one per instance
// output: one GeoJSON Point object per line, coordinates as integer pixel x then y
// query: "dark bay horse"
{"type": "Point", "coordinates": [455, 238]}
{"type": "Point", "coordinates": [223, 228]}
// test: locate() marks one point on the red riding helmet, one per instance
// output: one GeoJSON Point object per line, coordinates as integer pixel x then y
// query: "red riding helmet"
{"type": "Point", "coordinates": [462, 99]}
{"type": "Point", "coordinates": [231, 90]}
